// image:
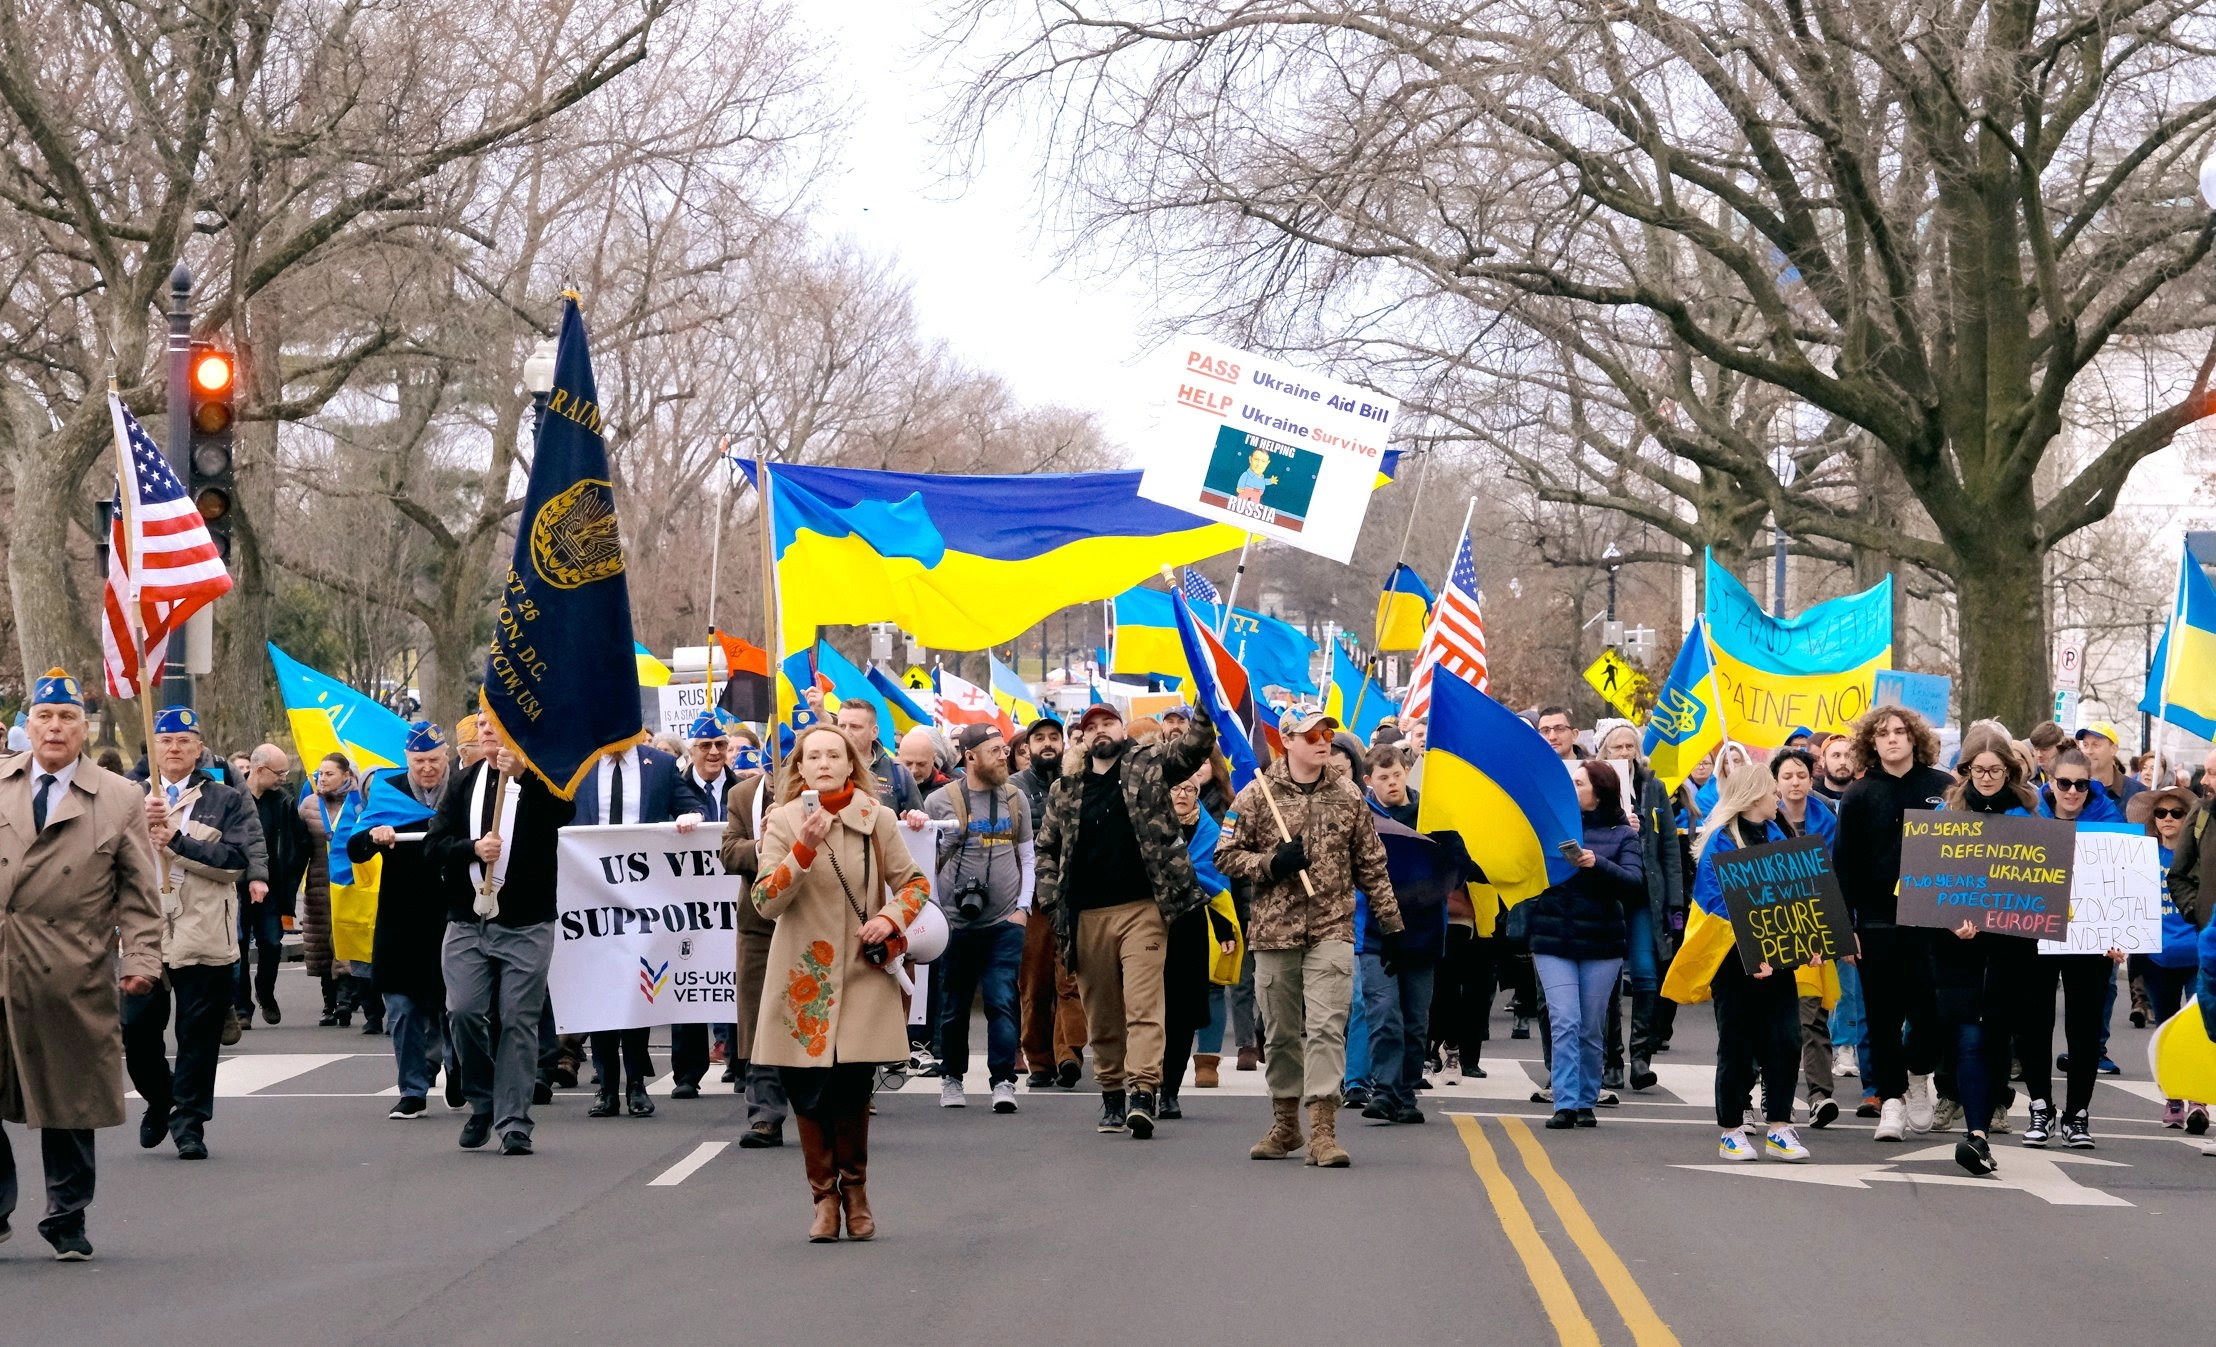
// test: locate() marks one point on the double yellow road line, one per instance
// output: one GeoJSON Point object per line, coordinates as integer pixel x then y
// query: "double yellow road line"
{"type": "Point", "coordinates": [1571, 1324]}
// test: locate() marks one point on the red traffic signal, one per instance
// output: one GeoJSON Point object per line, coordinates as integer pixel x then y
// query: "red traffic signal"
{"type": "Point", "coordinates": [212, 372]}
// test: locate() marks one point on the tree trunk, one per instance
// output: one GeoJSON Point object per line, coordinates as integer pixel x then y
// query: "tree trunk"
{"type": "Point", "coordinates": [1998, 587]}
{"type": "Point", "coordinates": [452, 656]}
{"type": "Point", "coordinates": [49, 628]}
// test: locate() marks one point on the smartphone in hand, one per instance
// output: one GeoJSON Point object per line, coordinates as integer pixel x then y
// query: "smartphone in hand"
{"type": "Point", "coordinates": [810, 801]}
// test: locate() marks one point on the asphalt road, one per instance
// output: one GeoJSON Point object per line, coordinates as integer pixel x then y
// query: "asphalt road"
{"type": "Point", "coordinates": [317, 1220]}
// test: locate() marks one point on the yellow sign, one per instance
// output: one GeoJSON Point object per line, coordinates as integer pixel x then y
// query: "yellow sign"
{"type": "Point", "coordinates": [1617, 683]}
{"type": "Point", "coordinates": [917, 679]}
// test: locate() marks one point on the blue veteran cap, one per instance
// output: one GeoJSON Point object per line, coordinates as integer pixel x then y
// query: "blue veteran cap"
{"type": "Point", "coordinates": [177, 720]}
{"type": "Point", "coordinates": [746, 758]}
{"type": "Point", "coordinates": [57, 688]}
{"type": "Point", "coordinates": [425, 737]}
{"type": "Point", "coordinates": [707, 725]}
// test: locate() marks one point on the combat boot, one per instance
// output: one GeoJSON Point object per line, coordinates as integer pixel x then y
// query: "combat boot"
{"type": "Point", "coordinates": [1284, 1137]}
{"type": "Point", "coordinates": [1323, 1136]}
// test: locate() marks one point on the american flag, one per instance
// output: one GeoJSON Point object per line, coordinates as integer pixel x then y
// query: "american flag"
{"type": "Point", "coordinates": [1197, 588]}
{"type": "Point", "coordinates": [1455, 640]}
{"type": "Point", "coordinates": [162, 565]}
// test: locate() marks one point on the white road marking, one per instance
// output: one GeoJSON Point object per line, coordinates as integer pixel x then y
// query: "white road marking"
{"type": "Point", "coordinates": [2022, 1169]}
{"type": "Point", "coordinates": [687, 1167]}
{"type": "Point", "coordinates": [237, 1077]}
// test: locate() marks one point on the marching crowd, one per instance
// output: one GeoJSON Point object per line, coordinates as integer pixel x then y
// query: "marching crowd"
{"type": "Point", "coordinates": [1100, 887]}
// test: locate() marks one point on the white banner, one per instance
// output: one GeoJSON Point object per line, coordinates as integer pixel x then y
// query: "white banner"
{"type": "Point", "coordinates": [2115, 893]}
{"type": "Point", "coordinates": [1264, 446]}
{"type": "Point", "coordinates": [645, 929]}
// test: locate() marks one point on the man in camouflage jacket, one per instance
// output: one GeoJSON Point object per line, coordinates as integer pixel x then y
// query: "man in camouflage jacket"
{"type": "Point", "coordinates": [1302, 929]}
{"type": "Point", "coordinates": [1112, 875]}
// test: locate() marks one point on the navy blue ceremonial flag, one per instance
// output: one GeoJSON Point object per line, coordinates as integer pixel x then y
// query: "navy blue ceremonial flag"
{"type": "Point", "coordinates": [561, 683]}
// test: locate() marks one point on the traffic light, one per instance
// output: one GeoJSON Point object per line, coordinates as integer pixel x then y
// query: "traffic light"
{"type": "Point", "coordinates": [214, 483]}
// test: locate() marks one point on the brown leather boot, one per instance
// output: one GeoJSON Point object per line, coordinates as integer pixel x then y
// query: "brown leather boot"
{"type": "Point", "coordinates": [823, 1179]}
{"type": "Point", "coordinates": [1323, 1136]}
{"type": "Point", "coordinates": [1204, 1071]}
{"type": "Point", "coordinates": [850, 1150]}
{"type": "Point", "coordinates": [1283, 1138]}
{"type": "Point", "coordinates": [1248, 1057]}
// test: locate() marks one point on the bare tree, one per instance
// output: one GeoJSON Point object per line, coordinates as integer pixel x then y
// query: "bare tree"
{"type": "Point", "coordinates": [1927, 226]}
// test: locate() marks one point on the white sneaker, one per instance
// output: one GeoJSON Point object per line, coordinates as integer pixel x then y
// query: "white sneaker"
{"type": "Point", "coordinates": [1452, 1061]}
{"type": "Point", "coordinates": [1783, 1143]}
{"type": "Point", "coordinates": [1004, 1097]}
{"type": "Point", "coordinates": [1945, 1114]}
{"type": "Point", "coordinates": [2208, 1148]}
{"type": "Point", "coordinates": [1734, 1145]}
{"type": "Point", "coordinates": [1892, 1121]}
{"type": "Point", "coordinates": [1922, 1103]}
{"type": "Point", "coordinates": [1843, 1063]}
{"type": "Point", "coordinates": [950, 1092]}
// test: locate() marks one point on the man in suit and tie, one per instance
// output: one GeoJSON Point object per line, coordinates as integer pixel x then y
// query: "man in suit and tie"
{"type": "Point", "coordinates": [703, 788]}
{"type": "Point", "coordinates": [640, 784]}
{"type": "Point", "coordinates": [78, 901]}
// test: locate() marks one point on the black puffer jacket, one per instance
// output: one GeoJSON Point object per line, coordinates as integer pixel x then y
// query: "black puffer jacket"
{"type": "Point", "coordinates": [1583, 916]}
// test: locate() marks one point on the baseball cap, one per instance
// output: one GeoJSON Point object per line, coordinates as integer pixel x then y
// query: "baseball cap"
{"type": "Point", "coordinates": [2101, 728]}
{"type": "Point", "coordinates": [1042, 722]}
{"type": "Point", "coordinates": [973, 735]}
{"type": "Point", "coordinates": [1094, 712]}
{"type": "Point", "coordinates": [1297, 721]}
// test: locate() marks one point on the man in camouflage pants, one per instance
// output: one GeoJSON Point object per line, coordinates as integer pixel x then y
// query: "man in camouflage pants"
{"type": "Point", "coordinates": [1112, 875]}
{"type": "Point", "coordinates": [1302, 925]}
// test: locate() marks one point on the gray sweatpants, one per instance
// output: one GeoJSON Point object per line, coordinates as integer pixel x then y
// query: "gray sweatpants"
{"type": "Point", "coordinates": [497, 1080]}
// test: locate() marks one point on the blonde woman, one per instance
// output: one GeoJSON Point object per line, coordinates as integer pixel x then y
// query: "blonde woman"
{"type": "Point", "coordinates": [840, 884]}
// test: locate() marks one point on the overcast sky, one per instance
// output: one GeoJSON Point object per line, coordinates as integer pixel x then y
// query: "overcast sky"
{"type": "Point", "coordinates": [984, 275]}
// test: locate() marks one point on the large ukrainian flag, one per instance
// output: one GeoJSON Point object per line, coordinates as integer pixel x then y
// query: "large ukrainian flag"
{"type": "Point", "coordinates": [2183, 692]}
{"type": "Point", "coordinates": [1817, 670]}
{"type": "Point", "coordinates": [1274, 653]}
{"type": "Point", "coordinates": [327, 716]}
{"type": "Point", "coordinates": [1489, 777]}
{"type": "Point", "coordinates": [965, 563]}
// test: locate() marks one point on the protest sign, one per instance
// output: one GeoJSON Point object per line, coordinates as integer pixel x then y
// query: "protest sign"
{"type": "Point", "coordinates": [644, 929]}
{"type": "Point", "coordinates": [1928, 695]}
{"type": "Point", "coordinates": [2115, 893]}
{"type": "Point", "coordinates": [1265, 447]}
{"type": "Point", "coordinates": [2002, 873]}
{"type": "Point", "coordinates": [677, 705]}
{"type": "Point", "coordinates": [1785, 904]}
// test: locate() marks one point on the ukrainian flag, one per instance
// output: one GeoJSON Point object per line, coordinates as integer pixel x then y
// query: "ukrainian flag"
{"type": "Point", "coordinates": [652, 672]}
{"type": "Point", "coordinates": [327, 716]}
{"type": "Point", "coordinates": [1687, 722]}
{"type": "Point", "coordinates": [966, 563]}
{"type": "Point", "coordinates": [1489, 777]}
{"type": "Point", "coordinates": [1011, 693]}
{"type": "Point", "coordinates": [1388, 467]}
{"type": "Point", "coordinates": [1708, 938]}
{"type": "Point", "coordinates": [901, 702]}
{"type": "Point", "coordinates": [1353, 688]}
{"type": "Point", "coordinates": [851, 684]}
{"type": "Point", "coordinates": [1815, 671]}
{"type": "Point", "coordinates": [2182, 690]}
{"type": "Point", "coordinates": [1276, 654]}
{"type": "Point", "coordinates": [1403, 610]}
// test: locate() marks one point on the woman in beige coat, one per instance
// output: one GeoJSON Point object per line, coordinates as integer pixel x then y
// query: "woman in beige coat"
{"type": "Point", "coordinates": [829, 1015]}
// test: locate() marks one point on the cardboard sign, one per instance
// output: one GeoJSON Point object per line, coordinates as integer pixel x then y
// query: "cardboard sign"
{"type": "Point", "coordinates": [1786, 907]}
{"type": "Point", "coordinates": [1265, 447]}
{"type": "Point", "coordinates": [2115, 893]}
{"type": "Point", "coordinates": [2002, 873]}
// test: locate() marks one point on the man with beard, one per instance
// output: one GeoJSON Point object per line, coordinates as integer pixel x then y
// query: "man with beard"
{"type": "Point", "coordinates": [1114, 874]}
{"type": "Point", "coordinates": [413, 897]}
{"type": "Point", "coordinates": [1053, 1013]}
{"type": "Point", "coordinates": [985, 873]}
{"type": "Point", "coordinates": [1836, 758]}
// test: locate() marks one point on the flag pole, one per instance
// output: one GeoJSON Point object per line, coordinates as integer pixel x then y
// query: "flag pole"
{"type": "Point", "coordinates": [127, 501]}
{"type": "Point", "coordinates": [769, 617]}
{"type": "Point", "coordinates": [2170, 643]}
{"type": "Point", "coordinates": [715, 545]}
{"type": "Point", "coordinates": [1223, 619]}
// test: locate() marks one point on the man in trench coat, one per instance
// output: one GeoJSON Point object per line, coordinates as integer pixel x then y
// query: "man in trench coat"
{"type": "Point", "coordinates": [76, 867]}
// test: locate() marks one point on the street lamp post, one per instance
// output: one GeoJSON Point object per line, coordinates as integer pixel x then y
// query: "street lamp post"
{"type": "Point", "coordinates": [538, 379]}
{"type": "Point", "coordinates": [1614, 558]}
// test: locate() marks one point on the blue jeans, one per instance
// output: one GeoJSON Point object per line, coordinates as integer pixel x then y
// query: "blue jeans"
{"type": "Point", "coordinates": [418, 1041]}
{"type": "Point", "coordinates": [987, 956]}
{"type": "Point", "coordinates": [1358, 1037]}
{"type": "Point", "coordinates": [1640, 962]}
{"type": "Point", "coordinates": [1398, 1009]}
{"type": "Point", "coordinates": [1208, 1039]}
{"type": "Point", "coordinates": [1577, 1007]}
{"type": "Point", "coordinates": [1848, 1028]}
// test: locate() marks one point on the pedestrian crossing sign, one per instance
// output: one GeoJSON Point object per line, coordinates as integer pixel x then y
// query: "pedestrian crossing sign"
{"type": "Point", "coordinates": [1617, 683]}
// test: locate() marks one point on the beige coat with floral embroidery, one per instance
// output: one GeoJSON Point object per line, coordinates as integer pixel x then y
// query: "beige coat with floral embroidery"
{"type": "Point", "coordinates": [823, 1003]}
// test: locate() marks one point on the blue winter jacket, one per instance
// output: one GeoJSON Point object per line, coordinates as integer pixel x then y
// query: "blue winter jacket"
{"type": "Point", "coordinates": [1583, 916]}
{"type": "Point", "coordinates": [2102, 808]}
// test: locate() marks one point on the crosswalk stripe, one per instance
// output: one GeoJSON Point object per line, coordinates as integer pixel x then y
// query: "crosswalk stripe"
{"type": "Point", "coordinates": [687, 1167]}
